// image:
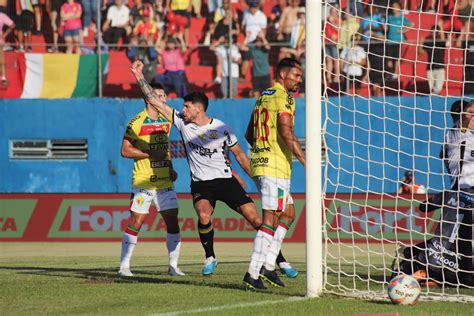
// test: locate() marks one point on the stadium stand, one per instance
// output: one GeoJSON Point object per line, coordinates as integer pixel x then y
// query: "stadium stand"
{"type": "Point", "coordinates": [200, 60]}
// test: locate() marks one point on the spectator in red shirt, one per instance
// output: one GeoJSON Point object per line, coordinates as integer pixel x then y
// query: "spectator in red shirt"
{"type": "Point", "coordinates": [455, 20]}
{"type": "Point", "coordinates": [71, 18]}
{"type": "Point", "coordinates": [331, 39]}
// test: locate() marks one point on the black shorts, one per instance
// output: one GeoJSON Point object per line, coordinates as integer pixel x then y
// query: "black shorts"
{"type": "Point", "coordinates": [227, 190]}
{"type": "Point", "coordinates": [246, 56]}
{"type": "Point", "coordinates": [56, 5]}
{"type": "Point", "coordinates": [392, 50]}
{"type": "Point", "coordinates": [24, 21]}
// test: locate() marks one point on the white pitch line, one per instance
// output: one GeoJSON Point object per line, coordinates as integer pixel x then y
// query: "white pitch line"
{"type": "Point", "coordinates": [223, 307]}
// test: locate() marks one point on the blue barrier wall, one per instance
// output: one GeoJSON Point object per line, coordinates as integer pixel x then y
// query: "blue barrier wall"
{"type": "Point", "coordinates": [102, 122]}
{"type": "Point", "coordinates": [395, 134]}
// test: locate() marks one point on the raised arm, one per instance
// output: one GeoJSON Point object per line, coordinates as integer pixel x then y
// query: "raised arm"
{"type": "Point", "coordinates": [149, 93]}
{"type": "Point", "coordinates": [241, 158]}
{"type": "Point", "coordinates": [285, 128]}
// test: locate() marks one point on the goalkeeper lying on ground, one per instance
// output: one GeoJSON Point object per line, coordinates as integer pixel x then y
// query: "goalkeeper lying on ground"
{"type": "Point", "coordinates": [448, 256]}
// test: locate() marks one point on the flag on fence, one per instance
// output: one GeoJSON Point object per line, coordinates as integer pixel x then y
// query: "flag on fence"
{"type": "Point", "coordinates": [52, 76]}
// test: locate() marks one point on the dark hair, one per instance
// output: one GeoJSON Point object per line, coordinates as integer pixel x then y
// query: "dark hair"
{"type": "Point", "coordinates": [286, 64]}
{"type": "Point", "coordinates": [156, 85]}
{"type": "Point", "coordinates": [197, 97]}
{"type": "Point", "coordinates": [457, 108]}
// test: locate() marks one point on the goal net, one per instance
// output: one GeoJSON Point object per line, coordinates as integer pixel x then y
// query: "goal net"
{"type": "Point", "coordinates": [391, 72]}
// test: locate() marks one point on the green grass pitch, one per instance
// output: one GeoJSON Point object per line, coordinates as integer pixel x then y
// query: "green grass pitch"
{"type": "Point", "coordinates": [80, 278]}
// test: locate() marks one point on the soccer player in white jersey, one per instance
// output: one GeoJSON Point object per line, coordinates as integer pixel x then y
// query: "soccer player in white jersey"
{"type": "Point", "coordinates": [146, 141]}
{"type": "Point", "coordinates": [206, 141]}
{"type": "Point", "coordinates": [447, 257]}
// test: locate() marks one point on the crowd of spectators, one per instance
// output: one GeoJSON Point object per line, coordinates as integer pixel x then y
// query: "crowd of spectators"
{"type": "Point", "coordinates": [363, 42]}
{"type": "Point", "coordinates": [238, 33]}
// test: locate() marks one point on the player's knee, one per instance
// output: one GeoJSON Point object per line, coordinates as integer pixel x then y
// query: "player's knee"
{"type": "Point", "coordinates": [256, 222]}
{"type": "Point", "coordinates": [136, 219]}
{"type": "Point", "coordinates": [204, 217]}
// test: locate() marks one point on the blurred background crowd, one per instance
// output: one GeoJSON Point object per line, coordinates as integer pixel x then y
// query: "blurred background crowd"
{"type": "Point", "coordinates": [229, 47]}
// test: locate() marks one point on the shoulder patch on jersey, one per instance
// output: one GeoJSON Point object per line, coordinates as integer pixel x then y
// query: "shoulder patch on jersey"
{"type": "Point", "coordinates": [269, 92]}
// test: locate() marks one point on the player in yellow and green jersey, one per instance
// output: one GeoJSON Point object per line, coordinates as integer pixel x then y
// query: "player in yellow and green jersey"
{"type": "Point", "coordinates": [146, 141]}
{"type": "Point", "coordinates": [270, 132]}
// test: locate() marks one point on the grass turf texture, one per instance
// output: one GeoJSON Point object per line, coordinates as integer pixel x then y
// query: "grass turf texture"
{"type": "Point", "coordinates": [80, 278]}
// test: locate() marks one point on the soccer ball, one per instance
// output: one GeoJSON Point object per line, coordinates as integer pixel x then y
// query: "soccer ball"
{"type": "Point", "coordinates": [404, 290]}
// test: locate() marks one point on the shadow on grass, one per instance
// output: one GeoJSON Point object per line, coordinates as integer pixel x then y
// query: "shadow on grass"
{"type": "Point", "coordinates": [108, 275]}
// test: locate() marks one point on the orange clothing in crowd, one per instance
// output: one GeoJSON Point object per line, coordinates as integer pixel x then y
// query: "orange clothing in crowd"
{"type": "Point", "coordinates": [146, 29]}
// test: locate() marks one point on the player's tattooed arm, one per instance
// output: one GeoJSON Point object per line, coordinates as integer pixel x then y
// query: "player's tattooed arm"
{"type": "Point", "coordinates": [148, 91]}
{"type": "Point", "coordinates": [151, 97]}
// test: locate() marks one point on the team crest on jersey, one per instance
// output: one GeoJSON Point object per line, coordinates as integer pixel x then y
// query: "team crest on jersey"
{"type": "Point", "coordinates": [290, 100]}
{"type": "Point", "coordinates": [140, 200]}
{"type": "Point", "coordinates": [202, 136]}
{"type": "Point", "coordinates": [213, 135]}
{"type": "Point", "coordinates": [269, 92]}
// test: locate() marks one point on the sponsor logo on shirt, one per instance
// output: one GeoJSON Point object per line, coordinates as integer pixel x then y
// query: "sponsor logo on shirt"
{"type": "Point", "coordinates": [203, 151]}
{"type": "Point", "coordinates": [257, 150]}
{"type": "Point", "coordinates": [269, 92]}
{"type": "Point", "coordinates": [159, 164]}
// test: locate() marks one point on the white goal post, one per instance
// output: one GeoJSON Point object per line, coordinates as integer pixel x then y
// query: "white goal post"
{"type": "Point", "coordinates": [380, 105]}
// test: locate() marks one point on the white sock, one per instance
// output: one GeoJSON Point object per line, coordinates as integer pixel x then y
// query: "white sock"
{"type": "Point", "coordinates": [173, 243]}
{"type": "Point", "coordinates": [129, 241]}
{"type": "Point", "coordinates": [275, 247]}
{"type": "Point", "coordinates": [261, 246]}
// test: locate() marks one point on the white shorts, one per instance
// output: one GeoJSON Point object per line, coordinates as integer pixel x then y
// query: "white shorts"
{"type": "Point", "coordinates": [164, 200]}
{"type": "Point", "coordinates": [274, 192]}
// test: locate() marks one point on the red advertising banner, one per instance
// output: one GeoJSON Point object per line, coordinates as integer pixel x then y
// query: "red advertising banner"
{"type": "Point", "coordinates": [104, 217]}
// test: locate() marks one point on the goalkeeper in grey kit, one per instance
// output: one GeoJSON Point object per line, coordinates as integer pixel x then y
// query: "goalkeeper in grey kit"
{"type": "Point", "coordinates": [447, 257]}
